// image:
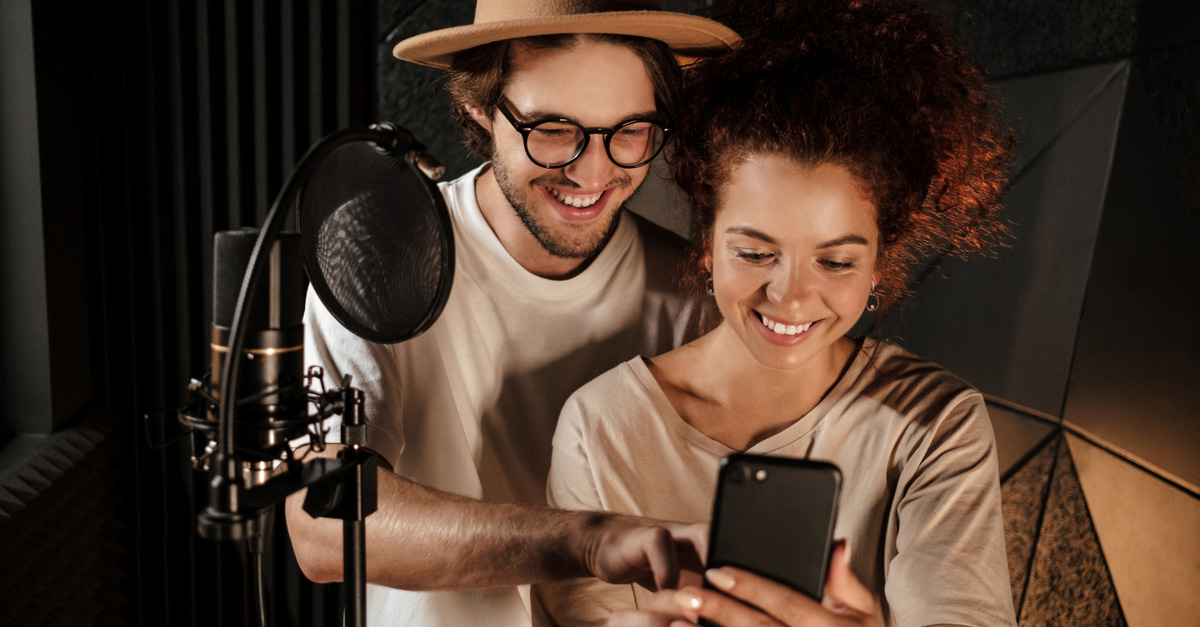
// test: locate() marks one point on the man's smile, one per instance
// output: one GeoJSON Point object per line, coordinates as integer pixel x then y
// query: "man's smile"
{"type": "Point", "coordinates": [579, 201]}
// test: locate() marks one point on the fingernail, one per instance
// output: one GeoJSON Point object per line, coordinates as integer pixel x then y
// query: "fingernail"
{"type": "Point", "coordinates": [719, 578]}
{"type": "Point", "coordinates": [688, 600]}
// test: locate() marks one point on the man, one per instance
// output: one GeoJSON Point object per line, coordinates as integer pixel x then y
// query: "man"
{"type": "Point", "coordinates": [553, 285]}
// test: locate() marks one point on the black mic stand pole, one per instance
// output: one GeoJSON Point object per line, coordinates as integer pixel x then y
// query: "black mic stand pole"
{"type": "Point", "coordinates": [363, 491]}
{"type": "Point", "coordinates": [352, 499]}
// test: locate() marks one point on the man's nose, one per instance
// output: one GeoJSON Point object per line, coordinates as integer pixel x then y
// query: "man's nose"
{"type": "Point", "coordinates": [593, 170]}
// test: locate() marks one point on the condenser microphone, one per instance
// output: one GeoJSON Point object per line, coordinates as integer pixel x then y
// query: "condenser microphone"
{"type": "Point", "coordinates": [272, 407]}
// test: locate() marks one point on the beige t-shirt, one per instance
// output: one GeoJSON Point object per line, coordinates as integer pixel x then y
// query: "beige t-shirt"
{"type": "Point", "coordinates": [920, 501]}
{"type": "Point", "coordinates": [470, 405]}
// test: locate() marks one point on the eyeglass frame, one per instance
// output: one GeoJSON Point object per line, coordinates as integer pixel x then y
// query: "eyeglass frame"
{"type": "Point", "coordinates": [526, 128]}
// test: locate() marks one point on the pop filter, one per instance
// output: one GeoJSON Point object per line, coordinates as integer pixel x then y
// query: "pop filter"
{"type": "Point", "coordinates": [377, 241]}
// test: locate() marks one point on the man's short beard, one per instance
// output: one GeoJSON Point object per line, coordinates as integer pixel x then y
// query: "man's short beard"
{"type": "Point", "coordinates": [556, 246]}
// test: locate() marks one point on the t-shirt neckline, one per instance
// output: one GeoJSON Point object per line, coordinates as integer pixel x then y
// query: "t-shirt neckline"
{"type": "Point", "coordinates": [795, 432]}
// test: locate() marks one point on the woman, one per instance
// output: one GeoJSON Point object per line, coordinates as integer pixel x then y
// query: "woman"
{"type": "Point", "coordinates": [844, 142]}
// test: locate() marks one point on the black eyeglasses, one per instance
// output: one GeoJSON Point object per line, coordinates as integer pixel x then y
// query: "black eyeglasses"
{"type": "Point", "coordinates": [557, 142]}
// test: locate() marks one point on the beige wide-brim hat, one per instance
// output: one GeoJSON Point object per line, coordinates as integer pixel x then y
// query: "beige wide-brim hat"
{"type": "Point", "coordinates": [690, 37]}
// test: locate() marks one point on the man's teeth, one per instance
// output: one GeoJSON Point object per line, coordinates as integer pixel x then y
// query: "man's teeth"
{"type": "Point", "coordinates": [579, 202]}
{"type": "Point", "coordinates": [785, 329]}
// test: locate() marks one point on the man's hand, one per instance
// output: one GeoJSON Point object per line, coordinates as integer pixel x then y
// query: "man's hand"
{"type": "Point", "coordinates": [758, 602]}
{"type": "Point", "coordinates": [625, 549]}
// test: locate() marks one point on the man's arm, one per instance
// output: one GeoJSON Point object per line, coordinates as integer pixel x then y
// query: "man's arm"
{"type": "Point", "coordinates": [425, 539]}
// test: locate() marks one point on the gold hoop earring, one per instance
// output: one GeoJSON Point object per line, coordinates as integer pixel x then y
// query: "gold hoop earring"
{"type": "Point", "coordinates": [872, 300]}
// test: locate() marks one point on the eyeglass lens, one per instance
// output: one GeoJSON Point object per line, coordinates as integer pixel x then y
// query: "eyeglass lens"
{"type": "Point", "coordinates": [631, 144]}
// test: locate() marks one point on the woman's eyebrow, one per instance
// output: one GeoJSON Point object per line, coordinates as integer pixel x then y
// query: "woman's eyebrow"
{"type": "Point", "coordinates": [833, 243]}
{"type": "Point", "coordinates": [843, 240]}
{"type": "Point", "coordinates": [749, 232]}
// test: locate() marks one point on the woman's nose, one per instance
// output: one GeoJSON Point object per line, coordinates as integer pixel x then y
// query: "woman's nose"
{"type": "Point", "coordinates": [789, 285]}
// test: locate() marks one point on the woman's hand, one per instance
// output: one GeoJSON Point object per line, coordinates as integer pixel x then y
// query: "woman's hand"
{"type": "Point", "coordinates": [753, 601]}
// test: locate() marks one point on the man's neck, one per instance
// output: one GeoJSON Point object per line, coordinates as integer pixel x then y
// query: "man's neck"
{"type": "Point", "coordinates": [515, 236]}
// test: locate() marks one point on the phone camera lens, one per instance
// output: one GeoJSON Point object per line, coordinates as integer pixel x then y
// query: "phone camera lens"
{"type": "Point", "coordinates": [740, 474]}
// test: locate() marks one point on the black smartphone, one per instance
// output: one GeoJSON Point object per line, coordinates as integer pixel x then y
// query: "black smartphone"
{"type": "Point", "coordinates": [774, 516]}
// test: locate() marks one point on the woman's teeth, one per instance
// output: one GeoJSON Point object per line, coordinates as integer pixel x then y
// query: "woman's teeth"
{"type": "Point", "coordinates": [579, 202]}
{"type": "Point", "coordinates": [784, 329]}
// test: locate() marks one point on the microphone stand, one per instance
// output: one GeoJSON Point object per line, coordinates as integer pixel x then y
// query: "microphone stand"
{"type": "Point", "coordinates": [344, 487]}
{"type": "Point", "coordinates": [351, 499]}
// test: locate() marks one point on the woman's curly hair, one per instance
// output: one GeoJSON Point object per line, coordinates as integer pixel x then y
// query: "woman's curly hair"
{"type": "Point", "coordinates": [879, 87]}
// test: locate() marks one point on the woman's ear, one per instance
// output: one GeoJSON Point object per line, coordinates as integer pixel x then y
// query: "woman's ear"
{"type": "Point", "coordinates": [479, 116]}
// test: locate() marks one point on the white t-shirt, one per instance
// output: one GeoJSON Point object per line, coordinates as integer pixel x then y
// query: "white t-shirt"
{"type": "Point", "coordinates": [920, 499]}
{"type": "Point", "coordinates": [470, 405]}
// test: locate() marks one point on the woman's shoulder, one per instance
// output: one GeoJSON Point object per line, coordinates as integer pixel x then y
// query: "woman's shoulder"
{"type": "Point", "coordinates": [605, 412]}
{"type": "Point", "coordinates": [928, 407]}
{"type": "Point", "coordinates": [618, 389]}
{"type": "Point", "coordinates": [622, 375]}
{"type": "Point", "coordinates": [887, 363]}
{"type": "Point", "coordinates": [913, 387]}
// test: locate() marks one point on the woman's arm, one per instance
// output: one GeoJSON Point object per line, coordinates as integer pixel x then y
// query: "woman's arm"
{"type": "Point", "coordinates": [950, 564]}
